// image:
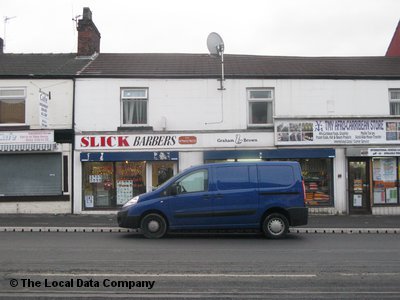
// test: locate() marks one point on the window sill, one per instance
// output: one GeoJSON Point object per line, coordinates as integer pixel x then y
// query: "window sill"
{"type": "Point", "coordinates": [263, 127]}
{"type": "Point", "coordinates": [34, 198]}
{"type": "Point", "coordinates": [135, 128]}
{"type": "Point", "coordinates": [4, 127]}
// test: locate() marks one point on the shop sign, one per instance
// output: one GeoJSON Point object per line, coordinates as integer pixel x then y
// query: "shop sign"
{"type": "Point", "coordinates": [384, 152]}
{"type": "Point", "coordinates": [337, 132]}
{"type": "Point", "coordinates": [26, 137]}
{"type": "Point", "coordinates": [44, 109]}
{"type": "Point", "coordinates": [173, 141]}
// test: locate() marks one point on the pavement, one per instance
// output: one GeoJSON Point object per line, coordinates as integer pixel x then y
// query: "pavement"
{"type": "Point", "coordinates": [108, 223]}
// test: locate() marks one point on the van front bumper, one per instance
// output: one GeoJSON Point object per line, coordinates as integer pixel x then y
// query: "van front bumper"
{"type": "Point", "coordinates": [126, 221]}
{"type": "Point", "coordinates": [298, 216]}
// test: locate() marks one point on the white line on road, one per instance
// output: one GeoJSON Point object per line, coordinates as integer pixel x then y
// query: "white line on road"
{"type": "Point", "coordinates": [164, 275]}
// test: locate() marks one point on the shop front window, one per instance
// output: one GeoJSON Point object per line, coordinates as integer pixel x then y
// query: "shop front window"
{"type": "Point", "coordinates": [317, 174]}
{"type": "Point", "coordinates": [98, 184]}
{"type": "Point", "coordinates": [385, 180]}
{"type": "Point", "coordinates": [161, 172]}
{"type": "Point", "coordinates": [130, 180]}
{"type": "Point", "coordinates": [108, 185]}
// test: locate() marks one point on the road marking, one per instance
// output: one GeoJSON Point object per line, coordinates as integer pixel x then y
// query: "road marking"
{"type": "Point", "coordinates": [165, 275]}
{"type": "Point", "coordinates": [369, 274]}
{"type": "Point", "coordinates": [300, 230]}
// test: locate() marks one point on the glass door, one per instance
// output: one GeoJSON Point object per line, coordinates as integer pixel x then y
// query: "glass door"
{"type": "Point", "coordinates": [359, 189]}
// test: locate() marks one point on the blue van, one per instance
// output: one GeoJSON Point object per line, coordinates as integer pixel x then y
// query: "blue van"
{"type": "Point", "coordinates": [268, 196]}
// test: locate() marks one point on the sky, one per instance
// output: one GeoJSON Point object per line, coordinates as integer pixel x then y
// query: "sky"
{"type": "Point", "coordinates": [255, 27]}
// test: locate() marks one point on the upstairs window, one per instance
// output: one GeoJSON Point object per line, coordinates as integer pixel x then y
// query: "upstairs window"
{"type": "Point", "coordinates": [394, 100]}
{"type": "Point", "coordinates": [260, 106]}
{"type": "Point", "coordinates": [12, 106]}
{"type": "Point", "coordinates": [134, 106]}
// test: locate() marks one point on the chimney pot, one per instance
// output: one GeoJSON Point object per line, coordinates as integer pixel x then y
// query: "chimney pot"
{"type": "Point", "coordinates": [87, 13]}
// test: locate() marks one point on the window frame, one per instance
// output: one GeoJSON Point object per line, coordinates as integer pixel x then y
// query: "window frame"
{"type": "Point", "coordinates": [251, 100]}
{"type": "Point", "coordinates": [123, 99]}
{"type": "Point", "coordinates": [14, 98]}
{"type": "Point", "coordinates": [393, 101]}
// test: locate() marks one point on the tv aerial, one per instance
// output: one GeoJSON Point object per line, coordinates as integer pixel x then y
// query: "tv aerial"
{"type": "Point", "coordinates": [6, 20]}
{"type": "Point", "coordinates": [216, 47]}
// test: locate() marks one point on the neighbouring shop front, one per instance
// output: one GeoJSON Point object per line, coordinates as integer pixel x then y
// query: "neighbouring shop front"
{"type": "Point", "coordinates": [316, 164]}
{"type": "Point", "coordinates": [33, 170]}
{"type": "Point", "coordinates": [372, 161]}
{"type": "Point", "coordinates": [374, 180]}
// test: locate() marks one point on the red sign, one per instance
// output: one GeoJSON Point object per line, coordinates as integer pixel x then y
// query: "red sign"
{"type": "Point", "coordinates": [187, 140]}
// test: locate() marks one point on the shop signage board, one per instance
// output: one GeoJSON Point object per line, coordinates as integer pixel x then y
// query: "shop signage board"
{"type": "Point", "coordinates": [383, 151]}
{"type": "Point", "coordinates": [34, 140]}
{"type": "Point", "coordinates": [358, 131]}
{"type": "Point", "coordinates": [43, 109]}
{"type": "Point", "coordinates": [26, 137]}
{"type": "Point", "coordinates": [173, 141]}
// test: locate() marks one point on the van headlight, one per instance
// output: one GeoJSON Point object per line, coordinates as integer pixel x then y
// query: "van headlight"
{"type": "Point", "coordinates": [133, 201]}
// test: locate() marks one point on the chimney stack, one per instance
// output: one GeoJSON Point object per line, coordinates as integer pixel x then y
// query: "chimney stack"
{"type": "Point", "coordinates": [88, 35]}
{"type": "Point", "coordinates": [394, 47]}
{"type": "Point", "coordinates": [1, 46]}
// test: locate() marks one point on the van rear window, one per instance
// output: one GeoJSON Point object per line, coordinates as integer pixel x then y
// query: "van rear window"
{"type": "Point", "coordinates": [231, 178]}
{"type": "Point", "coordinates": [275, 176]}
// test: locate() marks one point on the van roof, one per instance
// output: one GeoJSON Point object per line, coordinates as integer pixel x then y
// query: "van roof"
{"type": "Point", "coordinates": [251, 163]}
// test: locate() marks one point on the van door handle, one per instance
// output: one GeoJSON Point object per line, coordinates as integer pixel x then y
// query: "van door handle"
{"type": "Point", "coordinates": [206, 197]}
{"type": "Point", "coordinates": [219, 196]}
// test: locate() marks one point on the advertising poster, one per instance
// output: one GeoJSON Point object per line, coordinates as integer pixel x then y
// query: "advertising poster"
{"type": "Point", "coordinates": [357, 200]}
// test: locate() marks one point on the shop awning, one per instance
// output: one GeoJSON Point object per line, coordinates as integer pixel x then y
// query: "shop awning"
{"type": "Point", "coordinates": [27, 147]}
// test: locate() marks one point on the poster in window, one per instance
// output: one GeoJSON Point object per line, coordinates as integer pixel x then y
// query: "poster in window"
{"type": "Point", "coordinates": [124, 191]}
{"type": "Point", "coordinates": [357, 200]}
{"type": "Point", "coordinates": [388, 168]}
{"type": "Point", "coordinates": [379, 196]}
{"type": "Point", "coordinates": [358, 185]}
{"type": "Point", "coordinates": [391, 195]}
{"type": "Point", "coordinates": [89, 201]}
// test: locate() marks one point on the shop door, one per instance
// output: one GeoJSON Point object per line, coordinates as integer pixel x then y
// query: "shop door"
{"type": "Point", "coordinates": [359, 190]}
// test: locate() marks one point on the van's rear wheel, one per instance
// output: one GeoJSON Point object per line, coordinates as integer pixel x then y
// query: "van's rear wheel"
{"type": "Point", "coordinates": [153, 226]}
{"type": "Point", "coordinates": [275, 226]}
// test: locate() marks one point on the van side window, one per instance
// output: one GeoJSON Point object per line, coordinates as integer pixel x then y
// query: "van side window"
{"type": "Point", "coordinates": [275, 176]}
{"type": "Point", "coordinates": [193, 182]}
{"type": "Point", "coordinates": [229, 178]}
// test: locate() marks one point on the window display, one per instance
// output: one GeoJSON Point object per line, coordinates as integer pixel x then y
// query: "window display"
{"type": "Point", "coordinates": [385, 180]}
{"type": "Point", "coordinates": [112, 184]}
{"type": "Point", "coordinates": [130, 180]}
{"type": "Point", "coordinates": [162, 171]}
{"type": "Point", "coordinates": [97, 184]}
{"type": "Point", "coordinates": [317, 178]}
{"type": "Point", "coordinates": [317, 174]}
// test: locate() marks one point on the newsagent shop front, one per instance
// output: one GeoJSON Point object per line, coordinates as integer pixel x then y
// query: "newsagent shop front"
{"type": "Point", "coordinates": [367, 153]}
{"type": "Point", "coordinates": [111, 169]}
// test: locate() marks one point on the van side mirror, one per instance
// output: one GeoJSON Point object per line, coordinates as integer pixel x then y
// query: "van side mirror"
{"type": "Point", "coordinates": [173, 190]}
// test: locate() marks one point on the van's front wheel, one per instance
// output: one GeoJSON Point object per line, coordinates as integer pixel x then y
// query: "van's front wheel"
{"type": "Point", "coordinates": [275, 226]}
{"type": "Point", "coordinates": [153, 226]}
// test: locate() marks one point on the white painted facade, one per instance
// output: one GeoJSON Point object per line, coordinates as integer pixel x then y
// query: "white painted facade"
{"type": "Point", "coordinates": [196, 106]}
{"type": "Point", "coordinates": [60, 116]}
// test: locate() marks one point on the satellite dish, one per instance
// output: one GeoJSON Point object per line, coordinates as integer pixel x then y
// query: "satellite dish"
{"type": "Point", "coordinates": [215, 44]}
